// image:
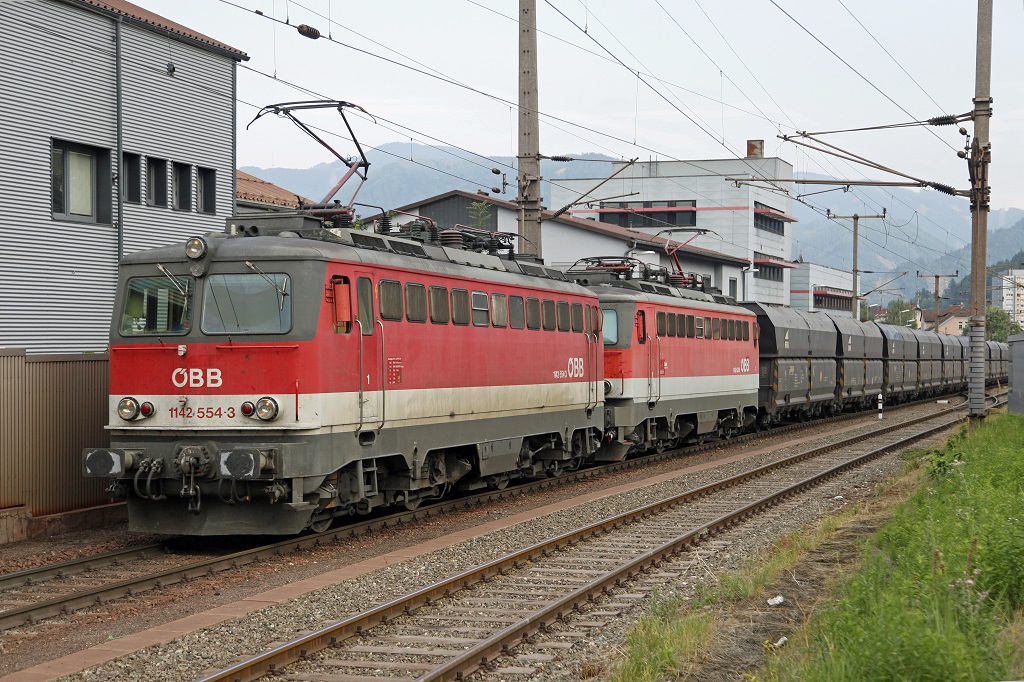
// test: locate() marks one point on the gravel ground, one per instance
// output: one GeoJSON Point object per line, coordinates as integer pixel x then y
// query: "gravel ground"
{"type": "Point", "coordinates": [196, 652]}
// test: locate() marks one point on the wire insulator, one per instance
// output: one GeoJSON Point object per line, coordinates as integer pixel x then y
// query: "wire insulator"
{"type": "Point", "coordinates": [563, 159]}
{"type": "Point", "coordinates": [308, 31]}
{"type": "Point", "coordinates": [946, 120]}
{"type": "Point", "coordinates": [945, 189]}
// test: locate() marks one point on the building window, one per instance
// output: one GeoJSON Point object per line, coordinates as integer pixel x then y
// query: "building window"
{"type": "Point", "coordinates": [658, 214]}
{"type": "Point", "coordinates": [732, 288]}
{"type": "Point", "coordinates": [773, 273]}
{"type": "Point", "coordinates": [206, 190]}
{"type": "Point", "coordinates": [763, 221]}
{"type": "Point", "coordinates": [182, 189]}
{"type": "Point", "coordinates": [79, 182]}
{"type": "Point", "coordinates": [156, 182]}
{"type": "Point", "coordinates": [131, 178]}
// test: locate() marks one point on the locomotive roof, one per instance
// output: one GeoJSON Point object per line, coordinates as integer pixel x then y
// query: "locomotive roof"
{"type": "Point", "coordinates": [391, 252]}
{"type": "Point", "coordinates": [675, 297]}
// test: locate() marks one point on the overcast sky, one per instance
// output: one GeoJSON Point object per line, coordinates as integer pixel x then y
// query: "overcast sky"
{"type": "Point", "coordinates": [740, 69]}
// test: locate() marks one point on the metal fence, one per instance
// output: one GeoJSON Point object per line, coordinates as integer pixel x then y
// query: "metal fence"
{"type": "Point", "coordinates": [51, 408]}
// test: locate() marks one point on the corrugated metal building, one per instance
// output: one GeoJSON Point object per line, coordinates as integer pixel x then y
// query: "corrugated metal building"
{"type": "Point", "coordinates": [83, 81]}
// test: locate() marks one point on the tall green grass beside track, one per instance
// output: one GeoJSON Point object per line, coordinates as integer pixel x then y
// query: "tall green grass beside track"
{"type": "Point", "coordinates": [940, 592]}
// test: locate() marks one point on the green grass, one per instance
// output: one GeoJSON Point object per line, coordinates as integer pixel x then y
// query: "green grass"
{"type": "Point", "coordinates": [940, 592]}
{"type": "Point", "coordinates": [663, 644]}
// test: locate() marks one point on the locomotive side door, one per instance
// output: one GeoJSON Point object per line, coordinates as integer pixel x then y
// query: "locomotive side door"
{"type": "Point", "coordinates": [370, 353]}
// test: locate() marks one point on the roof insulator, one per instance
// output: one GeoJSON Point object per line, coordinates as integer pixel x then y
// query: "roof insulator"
{"type": "Point", "coordinates": [308, 31]}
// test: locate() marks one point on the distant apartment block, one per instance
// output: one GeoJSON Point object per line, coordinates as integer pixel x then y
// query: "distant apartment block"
{"type": "Point", "coordinates": [746, 217]}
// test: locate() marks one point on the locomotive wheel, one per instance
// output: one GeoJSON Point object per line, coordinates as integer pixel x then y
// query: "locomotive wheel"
{"type": "Point", "coordinates": [321, 525]}
{"type": "Point", "coordinates": [660, 446]}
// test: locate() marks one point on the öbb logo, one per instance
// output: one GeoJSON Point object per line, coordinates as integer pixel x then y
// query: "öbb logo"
{"type": "Point", "coordinates": [196, 378]}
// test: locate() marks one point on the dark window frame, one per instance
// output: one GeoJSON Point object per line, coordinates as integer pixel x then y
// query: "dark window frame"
{"type": "Point", "coordinates": [533, 315]}
{"type": "Point", "coordinates": [516, 312]}
{"type": "Point", "coordinates": [131, 177]}
{"type": "Point", "coordinates": [206, 190]}
{"type": "Point", "coordinates": [499, 310]}
{"type": "Point", "coordinates": [389, 309]}
{"type": "Point", "coordinates": [547, 315]}
{"type": "Point", "coordinates": [437, 295]}
{"type": "Point", "coordinates": [415, 302]}
{"type": "Point", "coordinates": [460, 308]}
{"type": "Point", "coordinates": [181, 186]}
{"type": "Point", "coordinates": [63, 190]}
{"type": "Point", "coordinates": [562, 316]}
{"type": "Point", "coordinates": [156, 182]}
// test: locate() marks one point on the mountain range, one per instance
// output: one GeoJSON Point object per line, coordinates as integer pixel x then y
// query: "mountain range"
{"type": "Point", "coordinates": [924, 231]}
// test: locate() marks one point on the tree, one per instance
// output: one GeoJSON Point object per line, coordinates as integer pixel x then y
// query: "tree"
{"type": "Point", "coordinates": [998, 326]}
{"type": "Point", "coordinates": [480, 214]}
{"type": "Point", "coordinates": [901, 313]}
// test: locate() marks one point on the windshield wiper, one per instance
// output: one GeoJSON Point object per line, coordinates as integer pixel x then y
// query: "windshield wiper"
{"type": "Point", "coordinates": [279, 288]}
{"type": "Point", "coordinates": [183, 290]}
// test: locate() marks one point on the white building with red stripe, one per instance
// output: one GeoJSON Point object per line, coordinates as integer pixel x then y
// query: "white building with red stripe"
{"type": "Point", "coordinates": [742, 205]}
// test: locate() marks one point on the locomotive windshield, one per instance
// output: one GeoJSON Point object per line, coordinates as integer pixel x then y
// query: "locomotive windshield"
{"type": "Point", "coordinates": [247, 304]}
{"type": "Point", "coordinates": [610, 330]}
{"type": "Point", "coordinates": [157, 305]}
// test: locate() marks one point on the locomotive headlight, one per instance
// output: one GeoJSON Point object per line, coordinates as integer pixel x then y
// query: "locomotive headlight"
{"type": "Point", "coordinates": [266, 409]}
{"type": "Point", "coordinates": [128, 409]}
{"type": "Point", "coordinates": [607, 387]}
{"type": "Point", "coordinates": [195, 248]}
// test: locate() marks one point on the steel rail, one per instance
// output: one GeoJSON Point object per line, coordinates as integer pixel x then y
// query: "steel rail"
{"type": "Point", "coordinates": [64, 604]}
{"type": "Point", "coordinates": [477, 656]}
{"type": "Point", "coordinates": [71, 567]}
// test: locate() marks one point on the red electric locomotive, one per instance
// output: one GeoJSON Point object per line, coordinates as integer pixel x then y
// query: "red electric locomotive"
{"type": "Point", "coordinates": [273, 377]}
{"type": "Point", "coordinates": [680, 363]}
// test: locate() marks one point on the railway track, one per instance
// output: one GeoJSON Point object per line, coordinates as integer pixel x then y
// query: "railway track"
{"type": "Point", "coordinates": [58, 589]}
{"type": "Point", "coordinates": [458, 626]}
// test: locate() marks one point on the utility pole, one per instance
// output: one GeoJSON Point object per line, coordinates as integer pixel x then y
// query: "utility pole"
{"type": "Point", "coordinates": [935, 327]}
{"type": "Point", "coordinates": [529, 132]}
{"type": "Point", "coordinates": [855, 302]}
{"type": "Point", "coordinates": [977, 164]}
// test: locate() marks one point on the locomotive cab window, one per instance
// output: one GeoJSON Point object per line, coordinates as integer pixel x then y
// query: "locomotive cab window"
{"type": "Point", "coordinates": [257, 303]}
{"type": "Point", "coordinates": [611, 327]}
{"type": "Point", "coordinates": [157, 305]}
{"type": "Point", "coordinates": [342, 304]}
